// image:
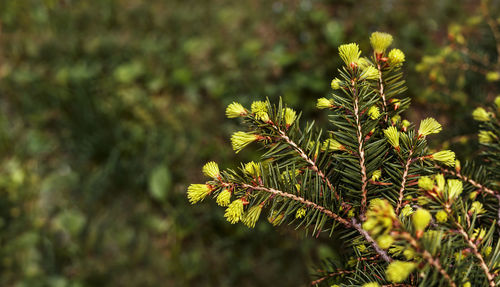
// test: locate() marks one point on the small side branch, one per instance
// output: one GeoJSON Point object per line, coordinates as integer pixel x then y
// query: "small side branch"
{"type": "Point", "coordinates": [302, 200]}
{"type": "Point", "coordinates": [368, 238]}
{"type": "Point", "coordinates": [403, 182]}
{"type": "Point", "coordinates": [338, 272]}
{"type": "Point", "coordinates": [427, 256]}
{"type": "Point", "coordinates": [478, 255]}
{"type": "Point", "coordinates": [381, 90]}
{"type": "Point", "coordinates": [361, 152]}
{"type": "Point", "coordinates": [313, 165]}
{"type": "Point", "coordinates": [469, 180]}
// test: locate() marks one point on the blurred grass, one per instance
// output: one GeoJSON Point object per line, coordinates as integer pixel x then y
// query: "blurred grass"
{"type": "Point", "coordinates": [110, 108]}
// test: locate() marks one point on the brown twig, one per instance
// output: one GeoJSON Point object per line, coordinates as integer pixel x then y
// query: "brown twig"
{"type": "Point", "coordinates": [403, 182]}
{"type": "Point", "coordinates": [304, 156]}
{"type": "Point", "coordinates": [361, 152]}
{"type": "Point", "coordinates": [476, 253]}
{"type": "Point", "coordinates": [338, 272]}
{"type": "Point", "coordinates": [368, 238]}
{"type": "Point", "coordinates": [469, 180]}
{"type": "Point", "coordinates": [381, 90]}
{"type": "Point", "coordinates": [302, 200]}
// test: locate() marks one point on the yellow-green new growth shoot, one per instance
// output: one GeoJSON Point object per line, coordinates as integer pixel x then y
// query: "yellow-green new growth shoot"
{"type": "Point", "coordinates": [252, 215]}
{"type": "Point", "coordinates": [486, 137]}
{"type": "Point", "coordinates": [396, 57]}
{"type": "Point", "coordinates": [441, 216]}
{"type": "Point", "coordinates": [211, 169]}
{"type": "Point", "coordinates": [385, 241]}
{"type": "Point", "coordinates": [376, 175]}
{"type": "Point", "coordinates": [374, 112]}
{"type": "Point", "coordinates": [426, 183]}
{"type": "Point", "coordinates": [240, 140]}
{"type": "Point", "coordinates": [259, 106]}
{"type": "Point", "coordinates": [369, 73]}
{"type": "Point", "coordinates": [301, 212]}
{"type": "Point", "coordinates": [332, 145]}
{"type": "Point", "coordinates": [421, 219]}
{"type": "Point", "coordinates": [455, 188]}
{"type": "Point", "coordinates": [198, 192]}
{"type": "Point", "coordinates": [335, 84]}
{"type": "Point", "coordinates": [481, 115]}
{"type": "Point", "coordinates": [289, 116]}
{"type": "Point", "coordinates": [447, 157]}
{"type": "Point", "coordinates": [439, 178]}
{"type": "Point", "coordinates": [380, 41]}
{"type": "Point", "coordinates": [224, 198]}
{"type": "Point", "coordinates": [392, 136]}
{"type": "Point", "coordinates": [398, 271]}
{"type": "Point", "coordinates": [324, 103]}
{"type": "Point", "coordinates": [477, 208]}
{"type": "Point", "coordinates": [429, 126]}
{"type": "Point", "coordinates": [350, 54]}
{"type": "Point", "coordinates": [235, 110]}
{"type": "Point", "coordinates": [252, 169]}
{"type": "Point", "coordinates": [234, 211]}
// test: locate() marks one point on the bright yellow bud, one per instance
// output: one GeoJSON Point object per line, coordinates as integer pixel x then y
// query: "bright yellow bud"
{"type": "Point", "coordinates": [235, 110]}
{"type": "Point", "coordinates": [429, 126]}
{"type": "Point", "coordinates": [398, 271]}
{"type": "Point", "coordinates": [396, 57]}
{"type": "Point", "coordinates": [234, 211]}
{"type": "Point", "coordinates": [481, 115]}
{"type": "Point", "coordinates": [421, 219]}
{"type": "Point", "coordinates": [198, 192]}
{"type": "Point", "coordinates": [380, 41]}
{"type": "Point", "coordinates": [447, 157]}
{"type": "Point", "coordinates": [349, 53]}
{"type": "Point", "coordinates": [211, 169]}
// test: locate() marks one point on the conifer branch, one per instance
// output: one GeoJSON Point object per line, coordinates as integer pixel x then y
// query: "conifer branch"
{"type": "Point", "coordinates": [304, 156]}
{"type": "Point", "coordinates": [403, 182]}
{"type": "Point", "coordinates": [302, 200]}
{"type": "Point", "coordinates": [332, 274]}
{"type": "Point", "coordinates": [368, 238]}
{"type": "Point", "coordinates": [427, 256]}
{"type": "Point", "coordinates": [361, 151]}
{"type": "Point", "coordinates": [307, 194]}
{"type": "Point", "coordinates": [469, 180]}
{"type": "Point", "coordinates": [476, 253]}
{"type": "Point", "coordinates": [381, 90]}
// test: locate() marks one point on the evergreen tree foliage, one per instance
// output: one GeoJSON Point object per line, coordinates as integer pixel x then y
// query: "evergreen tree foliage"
{"type": "Point", "coordinates": [407, 215]}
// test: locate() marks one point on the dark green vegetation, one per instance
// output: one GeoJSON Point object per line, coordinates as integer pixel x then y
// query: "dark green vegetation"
{"type": "Point", "coordinates": [109, 108]}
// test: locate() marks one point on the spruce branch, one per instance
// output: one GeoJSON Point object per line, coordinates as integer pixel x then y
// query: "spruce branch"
{"type": "Point", "coordinates": [370, 240]}
{"type": "Point", "coordinates": [381, 90]}
{"type": "Point", "coordinates": [403, 182]}
{"type": "Point", "coordinates": [361, 151]}
{"type": "Point", "coordinates": [304, 156]}
{"type": "Point", "coordinates": [329, 275]}
{"type": "Point", "coordinates": [469, 180]}
{"type": "Point", "coordinates": [476, 253]}
{"type": "Point", "coordinates": [426, 255]}
{"type": "Point", "coordinates": [296, 198]}
{"type": "Point", "coordinates": [313, 180]}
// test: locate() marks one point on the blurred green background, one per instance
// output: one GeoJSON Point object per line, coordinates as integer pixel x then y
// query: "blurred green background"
{"type": "Point", "coordinates": [109, 109]}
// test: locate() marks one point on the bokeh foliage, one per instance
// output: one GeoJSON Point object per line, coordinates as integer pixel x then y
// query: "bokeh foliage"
{"type": "Point", "coordinates": [108, 108]}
